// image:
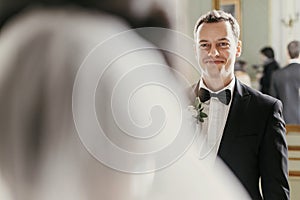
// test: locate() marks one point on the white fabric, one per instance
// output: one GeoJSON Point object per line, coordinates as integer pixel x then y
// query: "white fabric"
{"type": "Point", "coordinates": [211, 130]}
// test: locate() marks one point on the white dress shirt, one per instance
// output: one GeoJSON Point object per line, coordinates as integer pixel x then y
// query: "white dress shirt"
{"type": "Point", "coordinates": [210, 132]}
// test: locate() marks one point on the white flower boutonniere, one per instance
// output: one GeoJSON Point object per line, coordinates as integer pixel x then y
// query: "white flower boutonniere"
{"type": "Point", "coordinates": [197, 110]}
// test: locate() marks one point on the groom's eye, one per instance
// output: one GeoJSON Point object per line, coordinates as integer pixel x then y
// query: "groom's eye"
{"type": "Point", "coordinates": [204, 46]}
{"type": "Point", "coordinates": [224, 44]}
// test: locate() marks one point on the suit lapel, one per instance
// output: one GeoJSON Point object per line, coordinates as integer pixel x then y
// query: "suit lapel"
{"type": "Point", "coordinates": [237, 110]}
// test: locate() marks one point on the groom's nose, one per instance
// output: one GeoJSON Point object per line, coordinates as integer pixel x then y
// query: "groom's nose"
{"type": "Point", "coordinates": [213, 51]}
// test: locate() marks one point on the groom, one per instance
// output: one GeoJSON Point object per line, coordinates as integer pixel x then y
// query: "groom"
{"type": "Point", "coordinates": [244, 127]}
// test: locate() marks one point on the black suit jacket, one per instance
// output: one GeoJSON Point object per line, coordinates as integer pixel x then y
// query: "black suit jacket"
{"type": "Point", "coordinates": [285, 86]}
{"type": "Point", "coordinates": [253, 143]}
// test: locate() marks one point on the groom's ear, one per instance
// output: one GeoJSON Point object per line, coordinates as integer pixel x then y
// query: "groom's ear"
{"type": "Point", "coordinates": [238, 48]}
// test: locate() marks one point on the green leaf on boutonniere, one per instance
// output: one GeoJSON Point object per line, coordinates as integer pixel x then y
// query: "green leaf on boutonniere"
{"type": "Point", "coordinates": [203, 115]}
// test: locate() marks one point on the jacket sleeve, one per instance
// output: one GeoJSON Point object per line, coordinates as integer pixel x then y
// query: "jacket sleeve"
{"type": "Point", "coordinates": [273, 157]}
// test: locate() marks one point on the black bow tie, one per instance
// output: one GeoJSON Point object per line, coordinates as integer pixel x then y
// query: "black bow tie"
{"type": "Point", "coordinates": [224, 96]}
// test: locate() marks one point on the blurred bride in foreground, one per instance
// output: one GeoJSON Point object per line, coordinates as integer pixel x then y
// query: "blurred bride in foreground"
{"type": "Point", "coordinates": [43, 153]}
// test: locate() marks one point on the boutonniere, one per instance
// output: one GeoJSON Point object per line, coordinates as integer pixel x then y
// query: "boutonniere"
{"type": "Point", "coordinates": [197, 110]}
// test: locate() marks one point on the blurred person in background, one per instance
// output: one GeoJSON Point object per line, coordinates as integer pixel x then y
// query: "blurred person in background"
{"type": "Point", "coordinates": [285, 85]}
{"type": "Point", "coordinates": [269, 66]}
{"type": "Point", "coordinates": [240, 72]}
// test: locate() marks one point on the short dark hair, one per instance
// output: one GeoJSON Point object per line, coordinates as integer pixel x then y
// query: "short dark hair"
{"type": "Point", "coordinates": [215, 16]}
{"type": "Point", "coordinates": [294, 49]}
{"type": "Point", "coordinates": [268, 52]}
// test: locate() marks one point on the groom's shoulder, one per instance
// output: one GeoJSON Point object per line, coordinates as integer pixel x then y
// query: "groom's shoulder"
{"type": "Point", "coordinates": [258, 97]}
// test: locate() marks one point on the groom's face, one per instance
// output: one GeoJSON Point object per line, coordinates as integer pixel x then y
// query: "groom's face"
{"type": "Point", "coordinates": [217, 49]}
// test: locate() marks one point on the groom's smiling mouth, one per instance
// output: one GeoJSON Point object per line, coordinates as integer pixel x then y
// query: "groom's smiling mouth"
{"type": "Point", "coordinates": [214, 62]}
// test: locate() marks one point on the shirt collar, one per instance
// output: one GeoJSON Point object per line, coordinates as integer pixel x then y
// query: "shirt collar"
{"type": "Point", "coordinates": [230, 86]}
{"type": "Point", "coordinates": [295, 60]}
